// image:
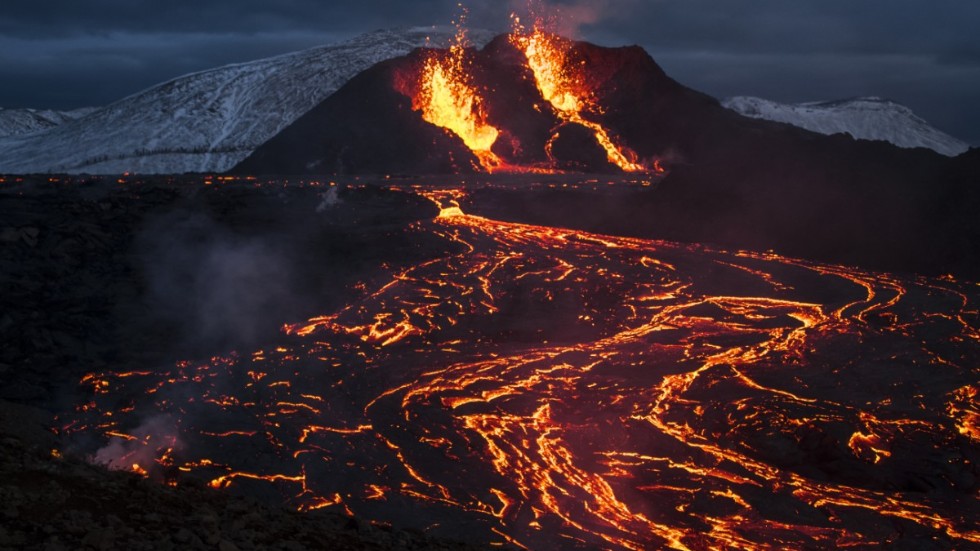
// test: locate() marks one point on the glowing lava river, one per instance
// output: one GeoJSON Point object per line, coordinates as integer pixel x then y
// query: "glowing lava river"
{"type": "Point", "coordinates": [546, 388]}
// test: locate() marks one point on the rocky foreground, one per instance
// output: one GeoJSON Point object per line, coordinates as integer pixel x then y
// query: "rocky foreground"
{"type": "Point", "coordinates": [56, 502]}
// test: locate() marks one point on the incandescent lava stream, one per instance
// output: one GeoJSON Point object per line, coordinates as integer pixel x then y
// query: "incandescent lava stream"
{"type": "Point", "coordinates": [547, 388]}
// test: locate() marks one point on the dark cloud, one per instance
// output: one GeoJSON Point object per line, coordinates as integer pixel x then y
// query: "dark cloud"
{"type": "Point", "coordinates": [925, 55]}
{"type": "Point", "coordinates": [95, 70]}
{"type": "Point", "coordinates": [66, 53]}
{"type": "Point", "coordinates": [71, 17]}
{"type": "Point", "coordinates": [802, 26]}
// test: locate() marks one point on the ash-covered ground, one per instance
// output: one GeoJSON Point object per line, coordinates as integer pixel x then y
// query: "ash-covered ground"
{"type": "Point", "coordinates": [377, 351]}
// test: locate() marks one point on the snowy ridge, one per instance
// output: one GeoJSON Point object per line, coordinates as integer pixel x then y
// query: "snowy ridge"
{"type": "Point", "coordinates": [210, 120]}
{"type": "Point", "coordinates": [14, 122]}
{"type": "Point", "coordinates": [868, 118]}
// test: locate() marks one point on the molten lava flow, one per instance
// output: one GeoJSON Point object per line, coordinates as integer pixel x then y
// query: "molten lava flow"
{"type": "Point", "coordinates": [447, 98]}
{"type": "Point", "coordinates": [551, 388]}
{"type": "Point", "coordinates": [561, 86]}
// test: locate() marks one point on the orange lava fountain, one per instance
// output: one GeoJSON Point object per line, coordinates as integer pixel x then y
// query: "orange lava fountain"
{"type": "Point", "coordinates": [448, 98]}
{"type": "Point", "coordinates": [566, 91]}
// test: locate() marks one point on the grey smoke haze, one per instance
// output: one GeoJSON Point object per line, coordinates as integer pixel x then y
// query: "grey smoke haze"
{"type": "Point", "coordinates": [216, 287]}
{"type": "Point", "coordinates": [65, 54]}
{"type": "Point", "coordinates": [153, 435]}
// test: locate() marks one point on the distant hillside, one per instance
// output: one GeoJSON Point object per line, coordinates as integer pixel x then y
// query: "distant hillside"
{"type": "Point", "coordinates": [14, 122]}
{"type": "Point", "coordinates": [207, 121]}
{"type": "Point", "coordinates": [863, 118]}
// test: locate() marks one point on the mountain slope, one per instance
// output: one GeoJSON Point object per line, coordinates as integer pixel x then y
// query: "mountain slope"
{"type": "Point", "coordinates": [868, 118]}
{"type": "Point", "coordinates": [24, 121]}
{"type": "Point", "coordinates": [207, 121]}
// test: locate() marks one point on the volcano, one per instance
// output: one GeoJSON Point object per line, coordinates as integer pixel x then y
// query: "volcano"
{"type": "Point", "coordinates": [732, 180]}
{"type": "Point", "coordinates": [552, 321]}
{"type": "Point", "coordinates": [370, 125]}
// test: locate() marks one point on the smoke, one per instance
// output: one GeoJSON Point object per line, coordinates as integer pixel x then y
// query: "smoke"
{"type": "Point", "coordinates": [566, 18]}
{"type": "Point", "coordinates": [207, 286]}
{"type": "Point", "coordinates": [211, 285]}
{"type": "Point", "coordinates": [329, 199]}
{"type": "Point", "coordinates": [151, 439]}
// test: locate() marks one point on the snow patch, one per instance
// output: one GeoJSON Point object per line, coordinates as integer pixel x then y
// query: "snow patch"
{"type": "Point", "coordinates": [14, 122]}
{"type": "Point", "coordinates": [869, 118]}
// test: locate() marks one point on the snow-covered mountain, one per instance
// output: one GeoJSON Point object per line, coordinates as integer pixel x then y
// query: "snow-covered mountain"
{"type": "Point", "coordinates": [211, 120]}
{"type": "Point", "coordinates": [24, 121]}
{"type": "Point", "coordinates": [868, 118]}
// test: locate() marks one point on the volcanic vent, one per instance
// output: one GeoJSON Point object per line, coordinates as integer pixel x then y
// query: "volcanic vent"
{"type": "Point", "coordinates": [530, 101]}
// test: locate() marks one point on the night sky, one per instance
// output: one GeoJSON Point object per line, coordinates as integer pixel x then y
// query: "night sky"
{"type": "Point", "coordinates": [925, 54]}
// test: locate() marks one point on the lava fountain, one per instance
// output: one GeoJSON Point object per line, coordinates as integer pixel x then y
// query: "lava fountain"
{"type": "Point", "coordinates": [455, 90]}
{"type": "Point", "coordinates": [448, 98]}
{"type": "Point", "coordinates": [563, 86]}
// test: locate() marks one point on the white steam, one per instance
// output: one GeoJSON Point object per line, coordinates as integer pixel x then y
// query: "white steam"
{"type": "Point", "coordinates": [153, 438]}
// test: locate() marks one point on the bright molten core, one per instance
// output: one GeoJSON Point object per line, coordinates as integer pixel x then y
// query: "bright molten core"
{"type": "Point", "coordinates": [565, 91]}
{"type": "Point", "coordinates": [448, 99]}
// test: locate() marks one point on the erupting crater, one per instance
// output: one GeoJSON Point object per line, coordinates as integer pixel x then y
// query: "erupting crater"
{"type": "Point", "coordinates": [528, 102]}
{"type": "Point", "coordinates": [446, 93]}
{"type": "Point", "coordinates": [446, 97]}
